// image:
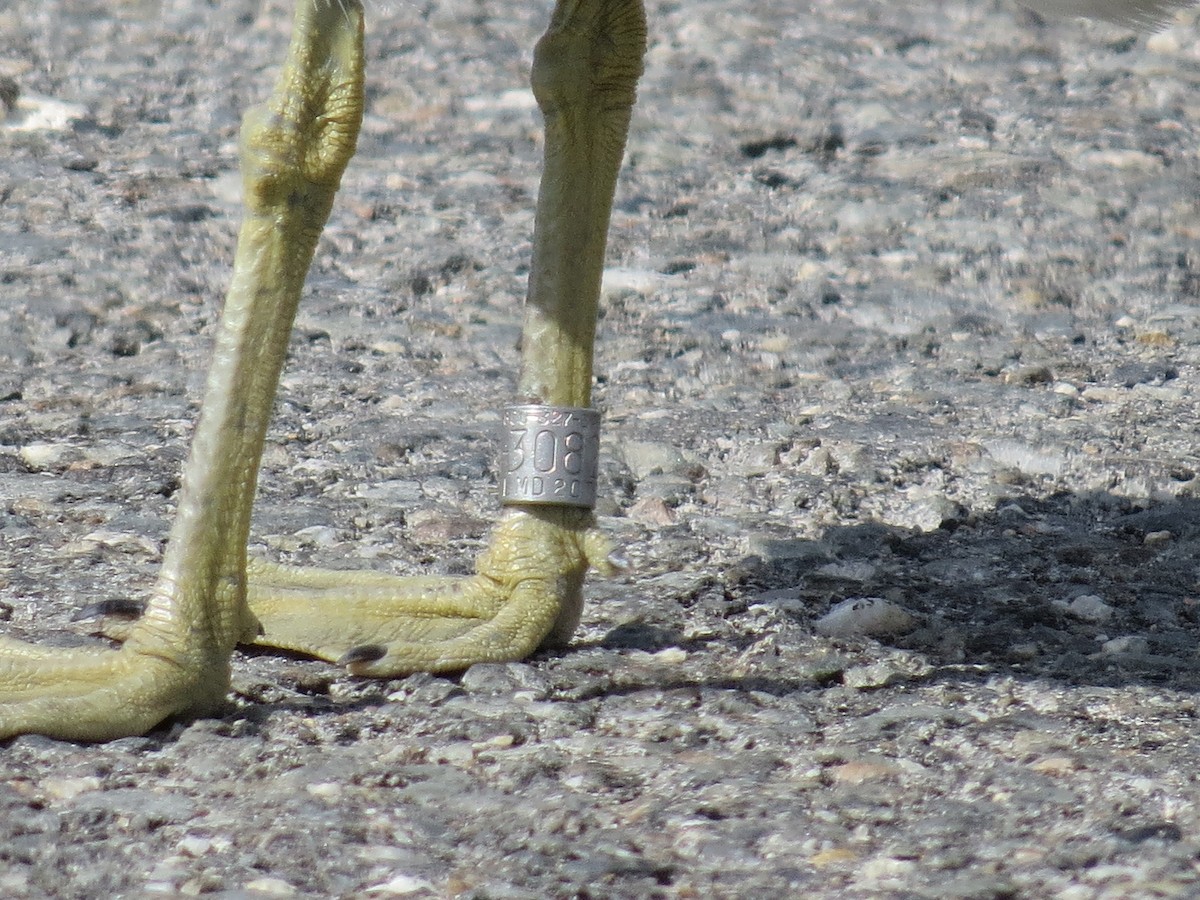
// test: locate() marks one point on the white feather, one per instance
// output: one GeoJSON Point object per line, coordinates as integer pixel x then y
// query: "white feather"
{"type": "Point", "coordinates": [1144, 14]}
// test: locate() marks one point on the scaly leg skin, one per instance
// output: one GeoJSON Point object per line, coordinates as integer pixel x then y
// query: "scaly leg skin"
{"type": "Point", "coordinates": [175, 658]}
{"type": "Point", "coordinates": [527, 590]}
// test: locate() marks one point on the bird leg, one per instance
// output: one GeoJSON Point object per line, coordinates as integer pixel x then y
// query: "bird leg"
{"type": "Point", "coordinates": [527, 590]}
{"type": "Point", "coordinates": [174, 660]}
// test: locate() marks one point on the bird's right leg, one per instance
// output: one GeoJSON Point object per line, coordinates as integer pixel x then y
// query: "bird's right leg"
{"type": "Point", "coordinates": [527, 590]}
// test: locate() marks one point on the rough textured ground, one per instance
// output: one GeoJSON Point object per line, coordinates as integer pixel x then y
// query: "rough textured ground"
{"type": "Point", "coordinates": [902, 304]}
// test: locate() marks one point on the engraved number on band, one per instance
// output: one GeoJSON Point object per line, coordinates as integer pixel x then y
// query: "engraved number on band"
{"type": "Point", "coordinates": [552, 455]}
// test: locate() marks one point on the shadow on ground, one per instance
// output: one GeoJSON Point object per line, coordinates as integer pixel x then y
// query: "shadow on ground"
{"type": "Point", "coordinates": [1084, 589]}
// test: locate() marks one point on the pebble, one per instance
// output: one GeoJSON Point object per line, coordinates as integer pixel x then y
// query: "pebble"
{"type": "Point", "coordinates": [271, 887]}
{"type": "Point", "coordinates": [866, 616]}
{"type": "Point", "coordinates": [1127, 644]}
{"type": "Point", "coordinates": [853, 570]}
{"type": "Point", "coordinates": [35, 112]}
{"type": "Point", "coordinates": [875, 675]}
{"type": "Point", "coordinates": [42, 456]}
{"type": "Point", "coordinates": [924, 513]}
{"type": "Point", "coordinates": [645, 458]}
{"type": "Point", "coordinates": [70, 787]}
{"type": "Point", "coordinates": [863, 772]}
{"type": "Point", "coordinates": [504, 678]}
{"type": "Point", "coordinates": [1024, 458]}
{"type": "Point", "coordinates": [326, 790]}
{"type": "Point", "coordinates": [651, 511]}
{"type": "Point", "coordinates": [753, 460]}
{"type": "Point", "coordinates": [194, 846]}
{"type": "Point", "coordinates": [1090, 608]}
{"type": "Point", "coordinates": [119, 540]}
{"type": "Point", "coordinates": [403, 886]}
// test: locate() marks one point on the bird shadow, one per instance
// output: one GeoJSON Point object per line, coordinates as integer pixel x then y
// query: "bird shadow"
{"type": "Point", "coordinates": [1079, 588]}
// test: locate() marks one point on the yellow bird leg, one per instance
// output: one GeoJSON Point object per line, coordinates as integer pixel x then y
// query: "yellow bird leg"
{"type": "Point", "coordinates": [527, 590]}
{"type": "Point", "coordinates": [175, 659]}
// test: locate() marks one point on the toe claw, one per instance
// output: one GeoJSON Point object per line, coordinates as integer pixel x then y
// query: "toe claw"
{"type": "Point", "coordinates": [363, 653]}
{"type": "Point", "coordinates": [126, 610]}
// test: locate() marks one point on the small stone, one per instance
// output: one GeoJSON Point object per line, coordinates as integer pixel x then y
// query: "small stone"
{"type": "Point", "coordinates": [1026, 459]}
{"type": "Point", "coordinates": [119, 540]}
{"type": "Point", "coordinates": [651, 511]}
{"type": "Point", "coordinates": [194, 846]}
{"type": "Point", "coordinates": [773, 550]}
{"type": "Point", "coordinates": [868, 616]}
{"type": "Point", "coordinates": [900, 667]}
{"type": "Point", "coordinates": [13, 883]}
{"type": "Point", "coordinates": [1090, 608]}
{"type": "Point", "coordinates": [670, 489]}
{"type": "Point", "coordinates": [499, 742]}
{"type": "Point", "coordinates": [29, 506]}
{"type": "Point", "coordinates": [275, 887]}
{"type": "Point", "coordinates": [928, 513]}
{"type": "Point", "coordinates": [1129, 644]}
{"type": "Point", "coordinates": [645, 458]}
{"type": "Point", "coordinates": [636, 281]}
{"type": "Point", "coordinates": [499, 679]}
{"type": "Point", "coordinates": [317, 536]}
{"type": "Point", "coordinates": [401, 886]}
{"type": "Point", "coordinates": [399, 492]}
{"type": "Point", "coordinates": [167, 871]}
{"type": "Point", "coordinates": [326, 790]}
{"type": "Point", "coordinates": [865, 678]}
{"type": "Point", "coordinates": [1055, 765]}
{"type": "Point", "coordinates": [671, 656]}
{"type": "Point", "coordinates": [854, 570]}
{"type": "Point", "coordinates": [438, 527]}
{"type": "Point", "coordinates": [1025, 651]}
{"type": "Point", "coordinates": [1029, 375]}
{"type": "Point", "coordinates": [67, 788]}
{"type": "Point", "coordinates": [1165, 42]}
{"type": "Point", "coordinates": [459, 754]}
{"type": "Point", "coordinates": [862, 772]}
{"type": "Point", "coordinates": [41, 456]}
{"type": "Point", "coordinates": [754, 460]}
{"type": "Point", "coordinates": [1103, 395]}
{"type": "Point", "coordinates": [835, 856]}
{"type": "Point", "coordinates": [33, 112]}
{"type": "Point", "coordinates": [887, 868]}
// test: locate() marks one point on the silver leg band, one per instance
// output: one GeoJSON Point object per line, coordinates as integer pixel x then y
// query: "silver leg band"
{"type": "Point", "coordinates": [551, 455]}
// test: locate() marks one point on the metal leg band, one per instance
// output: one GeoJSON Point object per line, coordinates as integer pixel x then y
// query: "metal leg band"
{"type": "Point", "coordinates": [551, 455]}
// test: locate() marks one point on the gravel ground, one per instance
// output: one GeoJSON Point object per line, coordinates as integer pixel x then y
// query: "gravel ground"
{"type": "Point", "coordinates": [902, 304]}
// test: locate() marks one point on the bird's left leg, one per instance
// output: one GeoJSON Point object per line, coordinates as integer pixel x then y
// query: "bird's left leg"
{"type": "Point", "coordinates": [175, 659]}
{"type": "Point", "coordinates": [527, 590]}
